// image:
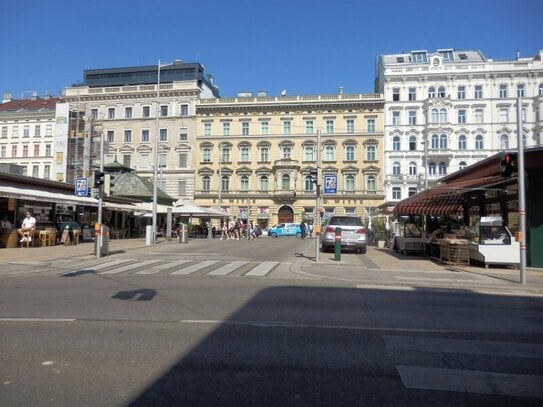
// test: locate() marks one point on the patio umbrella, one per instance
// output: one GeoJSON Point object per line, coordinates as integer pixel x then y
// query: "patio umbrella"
{"type": "Point", "coordinates": [196, 211]}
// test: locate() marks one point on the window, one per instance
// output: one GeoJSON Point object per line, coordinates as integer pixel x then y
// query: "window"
{"type": "Point", "coordinates": [37, 130]}
{"type": "Point", "coordinates": [309, 127]}
{"type": "Point", "coordinates": [285, 182]}
{"type": "Point", "coordinates": [371, 152]}
{"type": "Point", "coordinates": [309, 153]}
{"type": "Point", "coordinates": [329, 153]}
{"type": "Point", "coordinates": [35, 170]}
{"type": "Point", "coordinates": [15, 132]}
{"type": "Point", "coordinates": [225, 183]}
{"type": "Point", "coordinates": [183, 134]}
{"type": "Point", "coordinates": [395, 94]}
{"type": "Point", "coordinates": [431, 92]}
{"type": "Point", "coordinates": [396, 118]}
{"type": "Point", "coordinates": [370, 125]}
{"type": "Point", "coordinates": [14, 151]}
{"type": "Point", "coordinates": [412, 115]}
{"type": "Point", "coordinates": [164, 110]}
{"type": "Point", "coordinates": [207, 129]}
{"type": "Point", "coordinates": [308, 183]}
{"type": "Point", "coordinates": [184, 110]}
{"type": "Point", "coordinates": [145, 160]}
{"type": "Point", "coordinates": [479, 144]}
{"type": "Point", "coordinates": [350, 183]}
{"type": "Point", "coordinates": [441, 92]}
{"type": "Point", "coordinates": [264, 153]}
{"type": "Point", "coordinates": [286, 152]}
{"type": "Point", "coordinates": [263, 183]}
{"type": "Point", "coordinates": [396, 169]}
{"type": "Point", "coordinates": [540, 89]}
{"type": "Point", "coordinates": [146, 111]}
{"type": "Point", "coordinates": [504, 141]}
{"type": "Point", "coordinates": [182, 187]}
{"type": "Point", "coordinates": [461, 116]}
{"type": "Point", "coordinates": [412, 143]}
{"type": "Point", "coordinates": [26, 131]}
{"type": "Point", "coordinates": [110, 136]}
{"type": "Point", "coordinates": [127, 112]}
{"type": "Point", "coordinates": [419, 56]}
{"type": "Point", "coordinates": [443, 115]}
{"type": "Point", "coordinates": [434, 116]}
{"type": "Point", "coordinates": [478, 116]}
{"type": "Point", "coordinates": [94, 114]}
{"type": "Point", "coordinates": [396, 143]}
{"type": "Point", "coordinates": [412, 94]}
{"type": "Point", "coordinates": [329, 126]}
{"type": "Point", "coordinates": [36, 150]}
{"type": "Point", "coordinates": [225, 154]}
{"type": "Point", "coordinates": [48, 130]}
{"type": "Point", "coordinates": [462, 165]}
{"type": "Point", "coordinates": [287, 127]}
{"type": "Point", "coordinates": [183, 160]}
{"type": "Point", "coordinates": [503, 91]}
{"type": "Point", "coordinates": [265, 128]}
{"type": "Point", "coordinates": [371, 183]}
{"type": "Point", "coordinates": [126, 160]}
{"type": "Point", "coordinates": [245, 128]}
{"type": "Point", "coordinates": [520, 90]}
{"type": "Point", "coordinates": [478, 94]}
{"type": "Point", "coordinates": [442, 168]}
{"type": "Point", "coordinates": [350, 153]}
{"type": "Point", "coordinates": [432, 168]}
{"type": "Point", "coordinates": [447, 55]}
{"type": "Point", "coordinates": [396, 193]}
{"type": "Point", "coordinates": [504, 115]}
{"type": "Point", "coordinates": [461, 92]}
{"type": "Point", "coordinates": [244, 154]}
{"type": "Point", "coordinates": [226, 129]}
{"type": "Point", "coordinates": [350, 125]}
{"type": "Point", "coordinates": [244, 183]}
{"type": "Point", "coordinates": [145, 136]}
{"type": "Point", "coordinates": [206, 154]}
{"type": "Point", "coordinates": [162, 160]}
{"type": "Point", "coordinates": [412, 169]}
{"type": "Point", "coordinates": [435, 142]}
{"type": "Point", "coordinates": [3, 151]}
{"type": "Point", "coordinates": [48, 150]}
{"type": "Point", "coordinates": [25, 151]}
{"type": "Point", "coordinates": [462, 142]}
{"type": "Point", "coordinates": [47, 171]}
{"type": "Point", "coordinates": [111, 113]}
{"type": "Point", "coordinates": [163, 135]}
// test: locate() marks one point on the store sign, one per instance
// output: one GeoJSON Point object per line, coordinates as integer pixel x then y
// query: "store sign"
{"type": "Point", "coordinates": [81, 187]}
{"type": "Point", "coordinates": [330, 184]}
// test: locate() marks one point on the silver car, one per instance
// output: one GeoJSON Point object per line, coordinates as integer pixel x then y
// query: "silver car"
{"type": "Point", "coordinates": [353, 233]}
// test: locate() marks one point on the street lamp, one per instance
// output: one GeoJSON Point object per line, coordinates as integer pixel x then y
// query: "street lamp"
{"type": "Point", "coordinates": [425, 143]}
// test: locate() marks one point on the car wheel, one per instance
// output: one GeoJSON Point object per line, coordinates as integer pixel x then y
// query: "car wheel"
{"type": "Point", "coordinates": [362, 250]}
{"type": "Point", "coordinates": [298, 235]}
{"type": "Point", "coordinates": [274, 234]}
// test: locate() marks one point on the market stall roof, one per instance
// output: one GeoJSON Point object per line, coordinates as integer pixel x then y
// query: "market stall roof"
{"type": "Point", "coordinates": [447, 199]}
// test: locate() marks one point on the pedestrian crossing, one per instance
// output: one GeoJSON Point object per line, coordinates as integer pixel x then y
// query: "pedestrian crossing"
{"type": "Point", "coordinates": [214, 268]}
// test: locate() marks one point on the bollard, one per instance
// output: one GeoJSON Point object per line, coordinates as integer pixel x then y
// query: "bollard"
{"type": "Point", "coordinates": [337, 245]}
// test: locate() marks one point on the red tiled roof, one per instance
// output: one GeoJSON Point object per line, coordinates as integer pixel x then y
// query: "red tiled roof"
{"type": "Point", "coordinates": [29, 104]}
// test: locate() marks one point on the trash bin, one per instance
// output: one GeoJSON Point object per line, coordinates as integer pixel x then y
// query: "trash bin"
{"type": "Point", "coordinates": [101, 239]}
{"type": "Point", "coordinates": [183, 233]}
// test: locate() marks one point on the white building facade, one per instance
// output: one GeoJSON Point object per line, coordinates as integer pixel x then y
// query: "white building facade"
{"type": "Point", "coordinates": [448, 109]}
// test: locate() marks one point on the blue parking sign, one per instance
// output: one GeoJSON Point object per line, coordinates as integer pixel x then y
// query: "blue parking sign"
{"type": "Point", "coordinates": [330, 184]}
{"type": "Point", "coordinates": [81, 187]}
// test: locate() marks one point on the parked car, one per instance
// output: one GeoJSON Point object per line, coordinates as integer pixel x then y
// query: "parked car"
{"type": "Point", "coordinates": [353, 233]}
{"type": "Point", "coordinates": [285, 229]}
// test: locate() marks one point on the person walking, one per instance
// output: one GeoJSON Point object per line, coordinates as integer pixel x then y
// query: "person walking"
{"type": "Point", "coordinates": [224, 230]}
{"type": "Point", "coordinates": [302, 229]}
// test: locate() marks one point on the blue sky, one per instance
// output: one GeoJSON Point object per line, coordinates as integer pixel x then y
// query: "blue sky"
{"type": "Point", "coordinates": [303, 46]}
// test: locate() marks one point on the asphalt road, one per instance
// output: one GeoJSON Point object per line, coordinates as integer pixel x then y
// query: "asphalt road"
{"type": "Point", "coordinates": [155, 327]}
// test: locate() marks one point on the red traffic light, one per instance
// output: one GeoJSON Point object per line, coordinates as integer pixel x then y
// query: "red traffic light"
{"type": "Point", "coordinates": [508, 165]}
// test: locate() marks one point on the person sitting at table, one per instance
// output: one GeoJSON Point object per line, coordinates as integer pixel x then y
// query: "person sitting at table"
{"type": "Point", "coordinates": [28, 225]}
{"type": "Point", "coordinates": [5, 224]}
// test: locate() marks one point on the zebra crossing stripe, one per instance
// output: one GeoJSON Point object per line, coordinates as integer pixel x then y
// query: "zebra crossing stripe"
{"type": "Point", "coordinates": [195, 267]}
{"type": "Point", "coordinates": [131, 266]}
{"type": "Point", "coordinates": [262, 269]}
{"type": "Point", "coordinates": [228, 268]}
{"type": "Point", "coordinates": [106, 265]}
{"type": "Point", "coordinates": [161, 267]}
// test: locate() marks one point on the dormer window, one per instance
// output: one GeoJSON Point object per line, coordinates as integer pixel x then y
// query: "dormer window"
{"type": "Point", "coordinates": [447, 54]}
{"type": "Point", "coordinates": [419, 56]}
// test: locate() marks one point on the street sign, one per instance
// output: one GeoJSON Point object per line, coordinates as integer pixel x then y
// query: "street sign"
{"type": "Point", "coordinates": [330, 184]}
{"type": "Point", "coordinates": [81, 187]}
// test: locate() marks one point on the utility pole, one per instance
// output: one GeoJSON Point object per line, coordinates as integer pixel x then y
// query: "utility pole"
{"type": "Point", "coordinates": [521, 192]}
{"type": "Point", "coordinates": [317, 227]}
{"type": "Point", "coordinates": [155, 166]}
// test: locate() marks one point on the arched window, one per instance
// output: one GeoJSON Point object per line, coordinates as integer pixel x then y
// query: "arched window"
{"type": "Point", "coordinates": [349, 183]}
{"type": "Point", "coordinates": [206, 183]}
{"type": "Point", "coordinates": [435, 142]}
{"type": "Point", "coordinates": [479, 144]}
{"type": "Point", "coordinates": [434, 116]}
{"type": "Point", "coordinates": [443, 115]}
{"type": "Point", "coordinates": [504, 141]}
{"type": "Point", "coordinates": [396, 143]}
{"type": "Point", "coordinates": [412, 143]}
{"type": "Point", "coordinates": [263, 183]}
{"type": "Point", "coordinates": [431, 92]}
{"type": "Point", "coordinates": [244, 183]}
{"type": "Point", "coordinates": [441, 92]}
{"type": "Point", "coordinates": [432, 168]}
{"type": "Point", "coordinates": [396, 168]}
{"type": "Point", "coordinates": [371, 183]}
{"type": "Point", "coordinates": [308, 183]}
{"type": "Point", "coordinates": [285, 182]}
{"type": "Point", "coordinates": [442, 168]}
{"type": "Point", "coordinates": [462, 142]}
{"type": "Point", "coordinates": [225, 183]}
{"type": "Point", "coordinates": [462, 165]}
{"type": "Point", "coordinates": [443, 142]}
{"type": "Point", "coordinates": [412, 168]}
{"type": "Point", "coordinates": [540, 89]}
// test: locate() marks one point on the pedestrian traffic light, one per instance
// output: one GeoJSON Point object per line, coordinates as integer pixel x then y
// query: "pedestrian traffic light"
{"type": "Point", "coordinates": [98, 179]}
{"type": "Point", "coordinates": [508, 165]}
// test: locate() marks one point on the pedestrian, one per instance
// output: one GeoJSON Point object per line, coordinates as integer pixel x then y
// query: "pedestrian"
{"type": "Point", "coordinates": [28, 225]}
{"type": "Point", "coordinates": [302, 229]}
{"type": "Point", "coordinates": [224, 230]}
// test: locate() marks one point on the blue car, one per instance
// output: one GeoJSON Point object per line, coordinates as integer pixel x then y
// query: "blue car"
{"type": "Point", "coordinates": [285, 229]}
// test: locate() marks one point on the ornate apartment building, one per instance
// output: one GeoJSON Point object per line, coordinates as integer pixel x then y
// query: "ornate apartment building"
{"type": "Point", "coordinates": [27, 134]}
{"type": "Point", "coordinates": [448, 109]}
{"type": "Point", "coordinates": [136, 120]}
{"type": "Point", "coordinates": [256, 155]}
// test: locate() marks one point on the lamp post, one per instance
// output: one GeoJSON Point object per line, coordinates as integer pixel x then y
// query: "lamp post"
{"type": "Point", "coordinates": [425, 142]}
{"type": "Point", "coordinates": [155, 160]}
{"type": "Point", "coordinates": [317, 227]}
{"type": "Point", "coordinates": [220, 177]}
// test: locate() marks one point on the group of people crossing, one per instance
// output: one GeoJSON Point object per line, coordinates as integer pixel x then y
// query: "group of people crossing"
{"type": "Point", "coordinates": [235, 229]}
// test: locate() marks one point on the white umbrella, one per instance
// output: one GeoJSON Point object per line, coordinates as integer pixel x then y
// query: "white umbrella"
{"type": "Point", "coordinates": [198, 211]}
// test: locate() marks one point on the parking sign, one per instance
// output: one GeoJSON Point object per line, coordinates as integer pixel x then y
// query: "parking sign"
{"type": "Point", "coordinates": [81, 187]}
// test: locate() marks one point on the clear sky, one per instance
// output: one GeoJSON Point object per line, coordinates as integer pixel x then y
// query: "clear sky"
{"type": "Point", "coordinates": [302, 46]}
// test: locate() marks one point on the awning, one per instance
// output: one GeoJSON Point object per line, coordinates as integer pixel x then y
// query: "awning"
{"type": "Point", "coordinates": [447, 199]}
{"type": "Point", "coordinates": [119, 206]}
{"type": "Point", "coordinates": [46, 196]}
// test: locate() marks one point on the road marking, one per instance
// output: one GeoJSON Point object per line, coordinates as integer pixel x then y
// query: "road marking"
{"type": "Point", "coordinates": [471, 381]}
{"type": "Point", "coordinates": [386, 287]}
{"type": "Point", "coordinates": [262, 269]}
{"type": "Point", "coordinates": [132, 266]}
{"type": "Point", "coordinates": [194, 267]}
{"type": "Point", "coordinates": [161, 267]}
{"type": "Point", "coordinates": [104, 265]}
{"type": "Point", "coordinates": [442, 280]}
{"type": "Point", "coordinates": [227, 268]}
{"type": "Point", "coordinates": [37, 319]}
{"type": "Point", "coordinates": [464, 346]}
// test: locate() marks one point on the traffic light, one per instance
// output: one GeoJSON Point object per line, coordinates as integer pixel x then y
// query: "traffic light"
{"type": "Point", "coordinates": [98, 179]}
{"type": "Point", "coordinates": [508, 165]}
{"type": "Point", "coordinates": [313, 174]}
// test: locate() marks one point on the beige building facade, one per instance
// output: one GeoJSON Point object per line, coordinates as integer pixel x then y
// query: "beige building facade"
{"type": "Point", "coordinates": [258, 157]}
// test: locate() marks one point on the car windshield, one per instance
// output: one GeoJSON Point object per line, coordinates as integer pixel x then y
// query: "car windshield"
{"type": "Point", "coordinates": [346, 221]}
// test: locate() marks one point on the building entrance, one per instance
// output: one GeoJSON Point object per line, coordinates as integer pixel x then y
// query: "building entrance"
{"type": "Point", "coordinates": [285, 215]}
